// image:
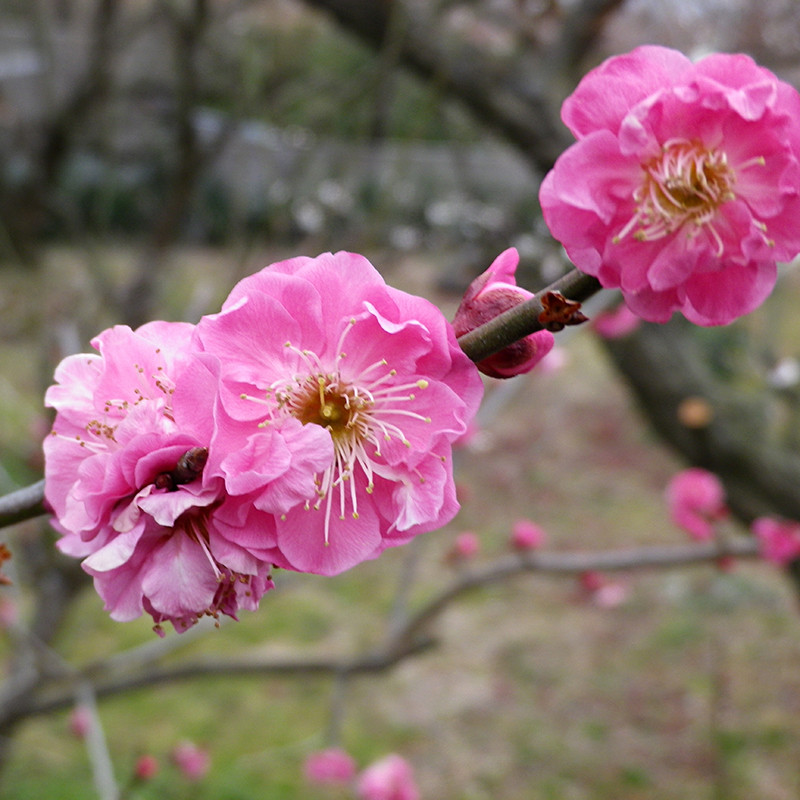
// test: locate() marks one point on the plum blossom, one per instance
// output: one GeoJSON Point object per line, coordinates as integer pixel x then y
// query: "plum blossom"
{"type": "Point", "coordinates": [696, 501]}
{"type": "Point", "coordinates": [331, 766]}
{"type": "Point", "coordinates": [339, 400]}
{"type": "Point", "coordinates": [683, 188]}
{"type": "Point", "coordinates": [466, 547]}
{"type": "Point", "coordinates": [527, 535]}
{"type": "Point", "coordinates": [614, 323]}
{"type": "Point", "coordinates": [488, 296]}
{"type": "Point", "coordinates": [779, 539]}
{"type": "Point", "coordinates": [193, 761]}
{"type": "Point", "coordinates": [125, 478]}
{"type": "Point", "coordinates": [146, 768]}
{"type": "Point", "coordinates": [390, 778]}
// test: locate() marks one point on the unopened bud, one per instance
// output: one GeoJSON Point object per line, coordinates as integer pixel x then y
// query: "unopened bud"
{"type": "Point", "coordinates": [488, 296]}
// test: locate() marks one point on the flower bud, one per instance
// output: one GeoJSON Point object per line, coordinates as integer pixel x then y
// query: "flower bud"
{"type": "Point", "coordinates": [489, 295]}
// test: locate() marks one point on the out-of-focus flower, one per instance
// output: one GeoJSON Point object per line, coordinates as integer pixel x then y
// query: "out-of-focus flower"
{"type": "Point", "coordinates": [465, 547]}
{"type": "Point", "coordinates": [591, 580]}
{"type": "Point", "coordinates": [779, 539]}
{"type": "Point", "coordinates": [125, 477]}
{"type": "Point", "coordinates": [193, 761]}
{"type": "Point", "coordinates": [601, 591]}
{"type": "Point", "coordinates": [527, 535]}
{"type": "Point", "coordinates": [683, 189]}
{"type": "Point", "coordinates": [361, 387]}
{"type": "Point", "coordinates": [488, 296]}
{"type": "Point", "coordinates": [80, 720]}
{"type": "Point", "coordinates": [610, 595]}
{"type": "Point", "coordinates": [616, 322]}
{"type": "Point", "coordinates": [391, 778]}
{"type": "Point", "coordinates": [331, 766]}
{"type": "Point", "coordinates": [146, 768]}
{"type": "Point", "coordinates": [696, 501]}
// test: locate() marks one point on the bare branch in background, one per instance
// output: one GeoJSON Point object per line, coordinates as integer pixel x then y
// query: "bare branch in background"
{"type": "Point", "coordinates": [409, 637]}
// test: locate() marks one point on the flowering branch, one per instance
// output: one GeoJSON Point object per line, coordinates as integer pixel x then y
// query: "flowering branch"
{"type": "Point", "coordinates": [524, 319]}
{"type": "Point", "coordinates": [408, 638]}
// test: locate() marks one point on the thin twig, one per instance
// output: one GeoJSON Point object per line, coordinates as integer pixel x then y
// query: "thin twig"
{"type": "Point", "coordinates": [409, 640]}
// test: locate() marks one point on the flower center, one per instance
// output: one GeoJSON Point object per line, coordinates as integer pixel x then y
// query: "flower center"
{"type": "Point", "coordinates": [685, 184]}
{"type": "Point", "coordinates": [361, 412]}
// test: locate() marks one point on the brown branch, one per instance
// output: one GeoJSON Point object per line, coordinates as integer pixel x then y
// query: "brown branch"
{"type": "Point", "coordinates": [522, 320]}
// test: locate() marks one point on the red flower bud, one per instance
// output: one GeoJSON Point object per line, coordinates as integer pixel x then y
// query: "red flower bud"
{"type": "Point", "coordinates": [489, 295]}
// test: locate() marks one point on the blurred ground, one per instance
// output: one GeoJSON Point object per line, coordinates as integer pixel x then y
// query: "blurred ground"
{"type": "Point", "coordinates": [687, 689]}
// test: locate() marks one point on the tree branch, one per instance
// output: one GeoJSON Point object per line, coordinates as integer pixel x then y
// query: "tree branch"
{"type": "Point", "coordinates": [409, 638]}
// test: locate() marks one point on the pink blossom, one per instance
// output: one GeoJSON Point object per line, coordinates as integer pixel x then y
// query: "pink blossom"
{"type": "Point", "coordinates": [616, 322]}
{"type": "Point", "coordinates": [696, 500]}
{"type": "Point", "coordinates": [526, 535]}
{"type": "Point", "coordinates": [193, 761]}
{"type": "Point", "coordinates": [146, 768]}
{"type": "Point", "coordinates": [391, 778]}
{"type": "Point", "coordinates": [331, 766]}
{"type": "Point", "coordinates": [488, 296]}
{"type": "Point", "coordinates": [610, 595]}
{"type": "Point", "coordinates": [779, 539]}
{"type": "Point", "coordinates": [466, 546]}
{"type": "Point", "coordinates": [80, 721]}
{"type": "Point", "coordinates": [125, 478]}
{"type": "Point", "coordinates": [591, 581]}
{"type": "Point", "coordinates": [683, 188]}
{"type": "Point", "coordinates": [339, 400]}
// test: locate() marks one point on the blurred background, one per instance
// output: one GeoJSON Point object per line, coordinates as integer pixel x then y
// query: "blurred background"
{"type": "Point", "coordinates": [153, 152]}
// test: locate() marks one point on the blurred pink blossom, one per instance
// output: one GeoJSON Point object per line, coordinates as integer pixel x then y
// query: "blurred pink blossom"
{"type": "Point", "coordinates": [527, 535]}
{"type": "Point", "coordinates": [80, 721]}
{"type": "Point", "coordinates": [488, 296]}
{"type": "Point", "coordinates": [331, 766]}
{"type": "Point", "coordinates": [391, 778]}
{"type": "Point", "coordinates": [591, 580]}
{"type": "Point", "coordinates": [146, 768]}
{"type": "Point", "coordinates": [362, 387]}
{"type": "Point", "coordinates": [610, 595]}
{"type": "Point", "coordinates": [696, 501]}
{"type": "Point", "coordinates": [465, 547]}
{"type": "Point", "coordinates": [193, 761]}
{"type": "Point", "coordinates": [779, 539]}
{"type": "Point", "coordinates": [616, 322]}
{"type": "Point", "coordinates": [683, 188]}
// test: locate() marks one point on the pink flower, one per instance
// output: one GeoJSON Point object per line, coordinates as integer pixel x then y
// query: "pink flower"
{"type": "Point", "coordinates": [193, 761]}
{"type": "Point", "coordinates": [683, 188]}
{"type": "Point", "coordinates": [526, 535]}
{"type": "Point", "coordinates": [616, 322]}
{"type": "Point", "coordinates": [489, 295]}
{"type": "Point", "coordinates": [696, 500]}
{"type": "Point", "coordinates": [126, 479]}
{"type": "Point", "coordinates": [779, 539]}
{"type": "Point", "coordinates": [340, 398]}
{"type": "Point", "coordinates": [466, 546]}
{"type": "Point", "coordinates": [331, 766]}
{"type": "Point", "coordinates": [146, 768]}
{"type": "Point", "coordinates": [610, 595]}
{"type": "Point", "coordinates": [391, 778]}
{"type": "Point", "coordinates": [80, 721]}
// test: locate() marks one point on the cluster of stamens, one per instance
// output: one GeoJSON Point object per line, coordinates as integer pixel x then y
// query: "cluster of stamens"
{"type": "Point", "coordinates": [682, 189]}
{"type": "Point", "coordinates": [360, 414]}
